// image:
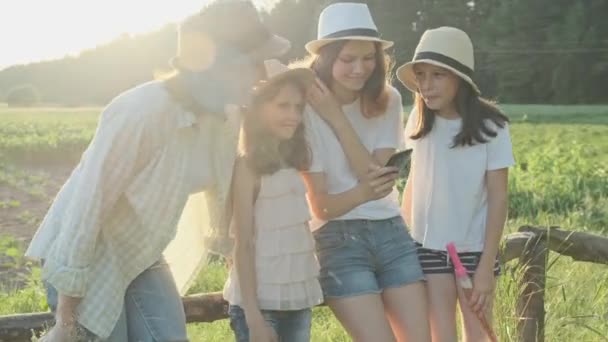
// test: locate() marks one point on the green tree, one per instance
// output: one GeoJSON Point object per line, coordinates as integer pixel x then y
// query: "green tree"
{"type": "Point", "coordinates": [22, 96]}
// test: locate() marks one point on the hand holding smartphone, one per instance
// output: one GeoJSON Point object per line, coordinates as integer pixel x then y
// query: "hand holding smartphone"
{"type": "Point", "coordinates": [399, 159]}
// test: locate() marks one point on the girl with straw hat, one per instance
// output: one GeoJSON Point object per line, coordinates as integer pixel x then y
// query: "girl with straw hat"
{"type": "Point", "coordinates": [370, 274]}
{"type": "Point", "coordinates": [457, 189]}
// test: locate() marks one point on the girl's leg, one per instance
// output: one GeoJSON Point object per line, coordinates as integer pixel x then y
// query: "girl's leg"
{"type": "Point", "coordinates": [442, 296]}
{"type": "Point", "coordinates": [406, 309]}
{"type": "Point", "coordinates": [401, 279]}
{"type": "Point", "coordinates": [349, 281]}
{"type": "Point", "coordinates": [472, 329]}
{"type": "Point", "coordinates": [363, 318]}
{"type": "Point", "coordinates": [294, 326]}
{"type": "Point", "coordinates": [154, 307]}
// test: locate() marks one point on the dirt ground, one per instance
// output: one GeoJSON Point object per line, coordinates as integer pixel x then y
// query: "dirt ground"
{"type": "Point", "coordinates": [22, 220]}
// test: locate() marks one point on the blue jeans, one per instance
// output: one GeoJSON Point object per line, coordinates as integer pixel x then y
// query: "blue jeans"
{"type": "Point", "coordinates": [290, 326]}
{"type": "Point", "coordinates": [360, 257]}
{"type": "Point", "coordinates": [153, 310]}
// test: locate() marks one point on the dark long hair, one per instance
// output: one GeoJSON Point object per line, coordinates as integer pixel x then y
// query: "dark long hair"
{"type": "Point", "coordinates": [264, 153]}
{"type": "Point", "coordinates": [474, 111]}
{"type": "Point", "coordinates": [374, 95]}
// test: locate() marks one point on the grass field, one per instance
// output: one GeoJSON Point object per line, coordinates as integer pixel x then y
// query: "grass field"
{"type": "Point", "coordinates": [561, 178]}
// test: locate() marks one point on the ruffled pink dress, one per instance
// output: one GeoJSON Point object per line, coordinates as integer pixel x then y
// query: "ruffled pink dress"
{"type": "Point", "coordinates": [286, 266]}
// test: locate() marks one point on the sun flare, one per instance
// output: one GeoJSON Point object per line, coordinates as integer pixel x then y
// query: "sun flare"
{"type": "Point", "coordinates": [32, 30]}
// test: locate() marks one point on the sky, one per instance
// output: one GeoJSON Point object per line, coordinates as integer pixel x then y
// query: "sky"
{"type": "Point", "coordinates": [36, 30]}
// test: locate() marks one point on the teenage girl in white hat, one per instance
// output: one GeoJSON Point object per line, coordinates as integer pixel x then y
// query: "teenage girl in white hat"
{"type": "Point", "coordinates": [370, 273]}
{"type": "Point", "coordinates": [457, 189]}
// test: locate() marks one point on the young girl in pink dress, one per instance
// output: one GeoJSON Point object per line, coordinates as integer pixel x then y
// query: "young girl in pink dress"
{"type": "Point", "coordinates": [273, 283]}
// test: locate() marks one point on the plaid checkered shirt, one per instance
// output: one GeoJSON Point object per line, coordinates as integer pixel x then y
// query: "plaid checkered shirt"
{"type": "Point", "coordinates": [119, 208]}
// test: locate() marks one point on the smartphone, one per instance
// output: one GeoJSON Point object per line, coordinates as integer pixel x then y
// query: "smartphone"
{"type": "Point", "coordinates": [399, 159]}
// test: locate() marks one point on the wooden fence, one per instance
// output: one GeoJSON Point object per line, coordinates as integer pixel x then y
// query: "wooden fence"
{"type": "Point", "coordinates": [530, 245]}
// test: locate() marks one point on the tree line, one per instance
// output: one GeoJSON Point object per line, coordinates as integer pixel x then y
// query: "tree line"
{"type": "Point", "coordinates": [527, 51]}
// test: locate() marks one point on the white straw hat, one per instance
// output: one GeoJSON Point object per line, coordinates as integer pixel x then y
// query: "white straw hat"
{"type": "Point", "coordinates": [447, 47]}
{"type": "Point", "coordinates": [345, 21]}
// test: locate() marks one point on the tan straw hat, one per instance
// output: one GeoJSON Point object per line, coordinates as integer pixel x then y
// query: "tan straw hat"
{"type": "Point", "coordinates": [226, 23]}
{"type": "Point", "coordinates": [277, 72]}
{"type": "Point", "coordinates": [345, 21]}
{"type": "Point", "coordinates": [447, 47]}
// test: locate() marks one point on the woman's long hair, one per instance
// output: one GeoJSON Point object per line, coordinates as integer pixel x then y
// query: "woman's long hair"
{"type": "Point", "coordinates": [265, 153]}
{"type": "Point", "coordinates": [474, 111]}
{"type": "Point", "coordinates": [374, 95]}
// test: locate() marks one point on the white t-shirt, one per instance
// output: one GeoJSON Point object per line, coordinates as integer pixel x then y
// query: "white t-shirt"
{"type": "Point", "coordinates": [449, 193]}
{"type": "Point", "coordinates": [328, 157]}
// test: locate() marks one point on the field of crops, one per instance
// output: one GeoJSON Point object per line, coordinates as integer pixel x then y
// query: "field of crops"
{"type": "Point", "coordinates": [561, 178]}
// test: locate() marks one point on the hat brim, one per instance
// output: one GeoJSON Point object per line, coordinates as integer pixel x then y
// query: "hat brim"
{"type": "Point", "coordinates": [303, 76]}
{"type": "Point", "coordinates": [406, 75]}
{"type": "Point", "coordinates": [275, 46]}
{"type": "Point", "coordinates": [314, 46]}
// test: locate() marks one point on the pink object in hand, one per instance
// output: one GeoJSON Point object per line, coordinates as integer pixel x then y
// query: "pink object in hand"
{"type": "Point", "coordinates": [459, 270]}
{"type": "Point", "coordinates": [464, 281]}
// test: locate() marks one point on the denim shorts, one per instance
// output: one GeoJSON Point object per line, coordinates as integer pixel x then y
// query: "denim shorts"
{"type": "Point", "coordinates": [360, 257]}
{"type": "Point", "coordinates": [290, 326]}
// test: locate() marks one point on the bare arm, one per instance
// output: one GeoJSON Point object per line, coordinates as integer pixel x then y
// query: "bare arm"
{"type": "Point", "coordinates": [244, 183]}
{"type": "Point", "coordinates": [497, 185]}
{"type": "Point", "coordinates": [377, 184]}
{"type": "Point", "coordinates": [359, 158]}
{"type": "Point", "coordinates": [484, 280]}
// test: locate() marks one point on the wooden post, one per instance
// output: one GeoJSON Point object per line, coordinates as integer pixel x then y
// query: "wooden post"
{"type": "Point", "coordinates": [514, 246]}
{"type": "Point", "coordinates": [531, 302]}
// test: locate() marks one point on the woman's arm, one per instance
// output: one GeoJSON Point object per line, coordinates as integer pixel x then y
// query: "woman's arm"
{"type": "Point", "coordinates": [377, 184]}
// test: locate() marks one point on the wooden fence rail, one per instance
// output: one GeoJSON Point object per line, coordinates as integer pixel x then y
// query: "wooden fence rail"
{"type": "Point", "coordinates": [207, 307]}
{"type": "Point", "coordinates": [530, 245]}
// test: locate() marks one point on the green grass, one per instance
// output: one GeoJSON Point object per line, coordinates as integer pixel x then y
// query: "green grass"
{"type": "Point", "coordinates": [561, 178]}
{"type": "Point", "coordinates": [45, 135]}
{"type": "Point", "coordinates": [579, 114]}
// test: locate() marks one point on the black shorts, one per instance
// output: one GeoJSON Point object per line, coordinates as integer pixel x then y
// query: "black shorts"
{"type": "Point", "coordinates": [437, 262]}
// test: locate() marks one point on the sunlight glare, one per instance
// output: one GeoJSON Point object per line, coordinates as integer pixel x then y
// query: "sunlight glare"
{"type": "Point", "coordinates": [32, 30]}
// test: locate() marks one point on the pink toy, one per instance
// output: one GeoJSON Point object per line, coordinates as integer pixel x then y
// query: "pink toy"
{"type": "Point", "coordinates": [464, 281]}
